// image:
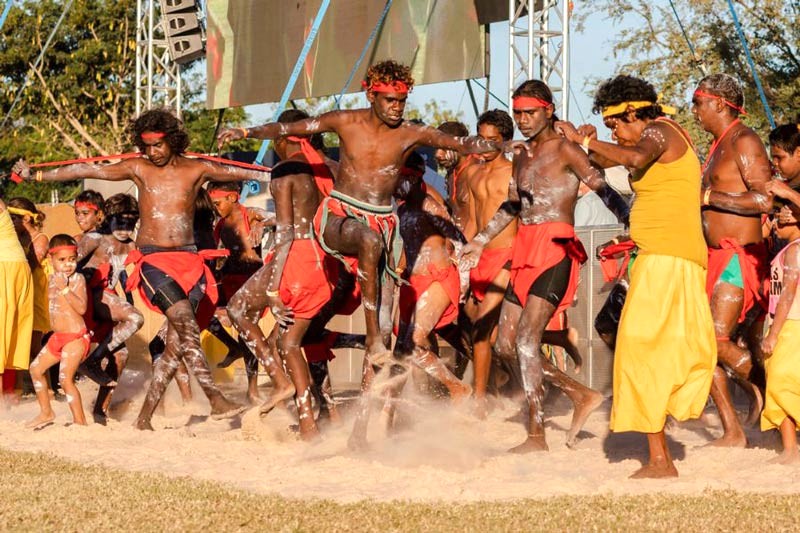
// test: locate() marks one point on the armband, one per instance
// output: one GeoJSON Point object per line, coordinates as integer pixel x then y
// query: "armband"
{"type": "Point", "coordinates": [707, 196]}
{"type": "Point", "coordinates": [245, 132]}
{"type": "Point", "coordinates": [586, 141]}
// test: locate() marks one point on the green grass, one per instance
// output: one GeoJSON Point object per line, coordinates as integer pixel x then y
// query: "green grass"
{"type": "Point", "coordinates": [40, 492]}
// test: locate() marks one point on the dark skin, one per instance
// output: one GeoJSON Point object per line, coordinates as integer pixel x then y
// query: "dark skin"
{"type": "Point", "coordinates": [544, 188]}
{"type": "Point", "coordinates": [374, 143]}
{"type": "Point", "coordinates": [486, 184]}
{"type": "Point", "coordinates": [459, 198]}
{"type": "Point", "coordinates": [243, 259]}
{"type": "Point", "coordinates": [640, 143]}
{"type": "Point", "coordinates": [168, 184]}
{"type": "Point", "coordinates": [737, 173]}
{"type": "Point", "coordinates": [107, 307]}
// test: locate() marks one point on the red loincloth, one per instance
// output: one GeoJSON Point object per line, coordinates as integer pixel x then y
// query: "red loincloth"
{"type": "Point", "coordinates": [186, 268]}
{"type": "Point", "coordinates": [613, 271]}
{"type": "Point", "coordinates": [99, 280]}
{"type": "Point", "coordinates": [246, 221]}
{"type": "Point", "coordinates": [316, 352]}
{"type": "Point", "coordinates": [231, 283]}
{"type": "Point", "coordinates": [558, 322]}
{"type": "Point", "coordinates": [419, 283]}
{"type": "Point", "coordinates": [381, 220]}
{"type": "Point", "coordinates": [755, 269]}
{"type": "Point", "coordinates": [305, 285]}
{"type": "Point", "coordinates": [57, 341]}
{"type": "Point", "coordinates": [489, 266]}
{"type": "Point", "coordinates": [538, 247]}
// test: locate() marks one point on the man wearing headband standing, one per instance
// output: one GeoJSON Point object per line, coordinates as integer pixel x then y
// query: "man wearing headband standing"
{"type": "Point", "coordinates": [546, 254]}
{"type": "Point", "coordinates": [356, 223]}
{"type": "Point", "coordinates": [171, 275]}
{"type": "Point", "coordinates": [735, 173]}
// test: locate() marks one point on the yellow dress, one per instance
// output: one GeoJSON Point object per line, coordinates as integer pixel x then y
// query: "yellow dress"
{"type": "Point", "coordinates": [666, 347]}
{"type": "Point", "coordinates": [41, 303]}
{"type": "Point", "coordinates": [782, 398]}
{"type": "Point", "coordinates": [16, 299]}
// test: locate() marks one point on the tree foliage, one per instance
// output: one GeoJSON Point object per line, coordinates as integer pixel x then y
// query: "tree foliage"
{"type": "Point", "coordinates": [650, 45]}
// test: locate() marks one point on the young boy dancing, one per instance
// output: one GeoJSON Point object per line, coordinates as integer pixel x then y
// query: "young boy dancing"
{"type": "Point", "coordinates": [69, 343]}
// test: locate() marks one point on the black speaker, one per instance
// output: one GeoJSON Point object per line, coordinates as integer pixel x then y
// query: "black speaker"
{"type": "Point", "coordinates": [182, 29]}
{"type": "Point", "coordinates": [186, 48]}
{"type": "Point", "coordinates": [497, 10]}
{"type": "Point", "coordinates": [177, 6]}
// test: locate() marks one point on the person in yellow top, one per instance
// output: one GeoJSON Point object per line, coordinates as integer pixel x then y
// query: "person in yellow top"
{"type": "Point", "coordinates": [16, 303]}
{"type": "Point", "coordinates": [666, 347]}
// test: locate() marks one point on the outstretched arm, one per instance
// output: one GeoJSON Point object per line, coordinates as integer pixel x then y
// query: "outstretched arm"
{"type": "Point", "coordinates": [650, 147]}
{"type": "Point", "coordinates": [273, 130]}
{"type": "Point", "coordinates": [124, 170]}
{"type": "Point", "coordinates": [753, 163]}
{"type": "Point", "coordinates": [466, 145]}
{"type": "Point", "coordinates": [579, 163]}
{"type": "Point", "coordinates": [222, 173]}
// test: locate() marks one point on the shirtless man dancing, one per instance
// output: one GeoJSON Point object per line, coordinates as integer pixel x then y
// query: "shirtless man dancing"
{"type": "Point", "coordinates": [356, 222]}
{"type": "Point", "coordinates": [458, 200]}
{"type": "Point", "coordinates": [735, 174]}
{"type": "Point", "coordinates": [546, 253]}
{"type": "Point", "coordinates": [173, 277]}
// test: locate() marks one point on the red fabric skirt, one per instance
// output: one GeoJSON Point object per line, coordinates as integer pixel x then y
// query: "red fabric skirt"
{"type": "Point", "coordinates": [489, 266]}
{"type": "Point", "coordinates": [186, 268]}
{"type": "Point", "coordinates": [419, 283]}
{"type": "Point", "coordinates": [539, 247]}
{"type": "Point", "coordinates": [57, 341]}
{"type": "Point", "coordinates": [755, 270]}
{"type": "Point", "coordinates": [305, 282]}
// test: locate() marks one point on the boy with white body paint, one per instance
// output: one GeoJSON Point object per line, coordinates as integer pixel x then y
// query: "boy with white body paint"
{"type": "Point", "coordinates": [69, 343]}
{"type": "Point", "coordinates": [171, 275]}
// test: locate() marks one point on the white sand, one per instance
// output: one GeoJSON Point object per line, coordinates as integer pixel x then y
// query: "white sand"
{"type": "Point", "coordinates": [437, 453]}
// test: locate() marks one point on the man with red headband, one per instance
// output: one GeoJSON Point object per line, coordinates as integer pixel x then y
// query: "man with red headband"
{"type": "Point", "coordinates": [88, 212]}
{"type": "Point", "coordinates": [356, 223]}
{"type": "Point", "coordinates": [735, 174]}
{"type": "Point", "coordinates": [239, 230]}
{"type": "Point", "coordinates": [546, 254]}
{"type": "Point", "coordinates": [171, 275]}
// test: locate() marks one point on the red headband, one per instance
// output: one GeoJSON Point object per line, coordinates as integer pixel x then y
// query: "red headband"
{"type": "Point", "coordinates": [380, 87]}
{"type": "Point", "coordinates": [89, 205]}
{"type": "Point", "coordinates": [219, 193]}
{"type": "Point", "coordinates": [68, 247]}
{"type": "Point", "coordinates": [528, 102]}
{"type": "Point", "coordinates": [728, 103]}
{"type": "Point", "coordinates": [151, 136]}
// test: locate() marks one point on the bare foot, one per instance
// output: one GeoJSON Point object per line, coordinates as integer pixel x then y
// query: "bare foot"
{"type": "Point", "coordinates": [580, 414]}
{"type": "Point", "coordinates": [226, 409]}
{"type": "Point", "coordinates": [357, 442]}
{"type": "Point", "coordinates": [100, 417]}
{"type": "Point", "coordinates": [531, 444]}
{"type": "Point", "coordinates": [278, 396]}
{"type": "Point", "coordinates": [730, 440]}
{"type": "Point", "coordinates": [786, 458]}
{"type": "Point", "coordinates": [656, 471]}
{"type": "Point", "coordinates": [253, 398]}
{"type": "Point", "coordinates": [44, 419]}
{"type": "Point", "coordinates": [481, 410]}
{"type": "Point", "coordinates": [143, 424]}
{"type": "Point", "coordinates": [310, 435]}
{"type": "Point", "coordinates": [459, 393]}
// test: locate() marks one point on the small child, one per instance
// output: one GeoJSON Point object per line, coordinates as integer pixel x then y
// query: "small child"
{"type": "Point", "coordinates": [782, 358]}
{"type": "Point", "coordinates": [89, 211]}
{"type": "Point", "coordinates": [69, 343]}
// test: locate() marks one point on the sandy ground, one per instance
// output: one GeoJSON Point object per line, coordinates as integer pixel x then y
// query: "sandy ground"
{"type": "Point", "coordinates": [436, 452]}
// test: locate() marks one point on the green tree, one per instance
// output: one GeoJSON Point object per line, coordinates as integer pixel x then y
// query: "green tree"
{"type": "Point", "coordinates": [651, 46]}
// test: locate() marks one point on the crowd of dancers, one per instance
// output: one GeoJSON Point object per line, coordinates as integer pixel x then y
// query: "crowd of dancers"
{"type": "Point", "coordinates": [491, 268]}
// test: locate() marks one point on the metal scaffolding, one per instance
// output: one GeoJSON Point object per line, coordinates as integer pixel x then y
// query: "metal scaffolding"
{"type": "Point", "coordinates": [538, 43]}
{"type": "Point", "coordinates": [158, 78]}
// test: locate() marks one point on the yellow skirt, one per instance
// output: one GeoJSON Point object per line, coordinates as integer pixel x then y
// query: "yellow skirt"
{"type": "Point", "coordinates": [41, 304]}
{"type": "Point", "coordinates": [16, 315]}
{"type": "Point", "coordinates": [783, 378]}
{"type": "Point", "coordinates": [666, 346]}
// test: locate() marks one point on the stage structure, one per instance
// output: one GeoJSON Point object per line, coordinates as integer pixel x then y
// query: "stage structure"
{"type": "Point", "coordinates": [538, 47]}
{"type": "Point", "coordinates": [158, 78]}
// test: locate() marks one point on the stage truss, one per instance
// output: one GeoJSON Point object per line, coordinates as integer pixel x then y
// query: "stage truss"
{"type": "Point", "coordinates": [538, 47]}
{"type": "Point", "coordinates": [158, 78]}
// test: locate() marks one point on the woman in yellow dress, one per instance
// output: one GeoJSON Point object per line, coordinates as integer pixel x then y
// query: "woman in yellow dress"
{"type": "Point", "coordinates": [16, 302]}
{"type": "Point", "coordinates": [666, 348]}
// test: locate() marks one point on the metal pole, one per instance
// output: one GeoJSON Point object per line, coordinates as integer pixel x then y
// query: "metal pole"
{"type": "Point", "coordinates": [565, 63]}
{"type": "Point", "coordinates": [150, 11]}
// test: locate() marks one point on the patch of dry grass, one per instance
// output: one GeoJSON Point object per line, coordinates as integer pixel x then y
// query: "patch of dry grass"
{"type": "Point", "coordinates": [40, 492]}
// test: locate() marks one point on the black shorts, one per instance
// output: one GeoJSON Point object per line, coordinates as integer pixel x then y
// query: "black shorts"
{"type": "Point", "coordinates": [162, 290]}
{"type": "Point", "coordinates": [551, 285]}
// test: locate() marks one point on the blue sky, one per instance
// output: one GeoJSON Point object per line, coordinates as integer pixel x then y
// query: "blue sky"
{"type": "Point", "coordinates": [590, 59]}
